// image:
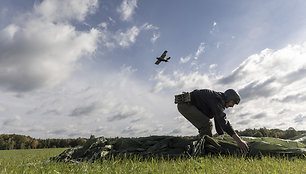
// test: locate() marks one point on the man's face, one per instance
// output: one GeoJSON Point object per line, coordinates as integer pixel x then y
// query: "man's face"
{"type": "Point", "coordinates": [230, 104]}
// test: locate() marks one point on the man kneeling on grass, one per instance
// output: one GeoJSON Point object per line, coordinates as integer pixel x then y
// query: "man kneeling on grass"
{"type": "Point", "coordinates": [199, 106]}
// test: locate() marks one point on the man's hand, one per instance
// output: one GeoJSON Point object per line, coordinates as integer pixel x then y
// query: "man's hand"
{"type": "Point", "coordinates": [242, 144]}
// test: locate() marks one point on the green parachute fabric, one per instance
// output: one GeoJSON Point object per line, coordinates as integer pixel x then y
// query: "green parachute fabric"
{"type": "Point", "coordinates": [172, 147]}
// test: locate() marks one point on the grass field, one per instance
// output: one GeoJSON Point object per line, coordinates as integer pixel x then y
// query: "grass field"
{"type": "Point", "coordinates": [34, 161]}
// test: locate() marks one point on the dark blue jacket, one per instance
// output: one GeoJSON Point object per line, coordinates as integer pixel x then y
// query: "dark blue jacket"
{"type": "Point", "coordinates": [212, 104]}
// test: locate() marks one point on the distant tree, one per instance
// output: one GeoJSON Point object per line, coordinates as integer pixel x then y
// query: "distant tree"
{"type": "Point", "coordinates": [278, 134]}
{"type": "Point", "coordinates": [34, 144]}
{"type": "Point", "coordinates": [11, 143]}
{"type": "Point", "coordinates": [258, 134]}
{"type": "Point", "coordinates": [20, 141]}
{"type": "Point", "coordinates": [42, 143]}
{"type": "Point", "coordinates": [264, 131]}
{"type": "Point", "coordinates": [48, 143]}
{"type": "Point", "coordinates": [81, 141]}
{"type": "Point", "coordinates": [63, 143]}
{"type": "Point", "coordinates": [290, 133]}
{"type": "Point", "coordinates": [22, 146]}
{"type": "Point", "coordinates": [77, 142]}
{"type": "Point", "coordinates": [3, 144]}
{"type": "Point", "coordinates": [247, 132]}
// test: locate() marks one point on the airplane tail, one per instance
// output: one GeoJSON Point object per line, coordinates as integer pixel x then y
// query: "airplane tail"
{"type": "Point", "coordinates": [168, 58]}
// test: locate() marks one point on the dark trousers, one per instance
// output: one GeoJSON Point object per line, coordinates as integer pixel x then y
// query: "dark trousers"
{"type": "Point", "coordinates": [196, 117]}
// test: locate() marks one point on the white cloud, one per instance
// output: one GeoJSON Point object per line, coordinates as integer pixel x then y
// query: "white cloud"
{"type": "Point", "coordinates": [155, 37]}
{"type": "Point", "coordinates": [41, 51]}
{"type": "Point", "coordinates": [200, 50]}
{"type": "Point", "coordinates": [124, 39]}
{"type": "Point", "coordinates": [148, 26]}
{"type": "Point", "coordinates": [212, 66]}
{"type": "Point", "coordinates": [2, 109]}
{"type": "Point", "coordinates": [185, 59]}
{"type": "Point", "coordinates": [213, 28]}
{"type": "Point", "coordinates": [111, 20]}
{"type": "Point", "coordinates": [84, 110]}
{"type": "Point", "coordinates": [15, 121]}
{"type": "Point", "coordinates": [218, 45]}
{"type": "Point", "coordinates": [64, 10]}
{"type": "Point", "coordinates": [179, 81]}
{"type": "Point", "coordinates": [4, 11]}
{"type": "Point", "coordinates": [285, 66]}
{"type": "Point", "coordinates": [104, 25]}
{"type": "Point", "coordinates": [126, 112]}
{"type": "Point", "coordinates": [126, 9]}
{"type": "Point", "coordinates": [10, 31]}
{"type": "Point", "coordinates": [198, 53]}
{"type": "Point", "coordinates": [163, 81]}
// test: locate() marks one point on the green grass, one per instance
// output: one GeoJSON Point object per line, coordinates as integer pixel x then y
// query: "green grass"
{"type": "Point", "coordinates": [34, 161]}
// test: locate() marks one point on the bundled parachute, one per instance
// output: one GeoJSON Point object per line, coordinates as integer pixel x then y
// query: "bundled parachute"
{"type": "Point", "coordinates": [171, 147]}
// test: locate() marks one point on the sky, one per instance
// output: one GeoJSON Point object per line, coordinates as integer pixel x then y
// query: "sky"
{"type": "Point", "coordinates": [77, 68]}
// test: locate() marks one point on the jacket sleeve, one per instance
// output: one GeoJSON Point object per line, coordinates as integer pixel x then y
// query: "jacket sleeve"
{"type": "Point", "coordinates": [218, 128]}
{"type": "Point", "coordinates": [221, 123]}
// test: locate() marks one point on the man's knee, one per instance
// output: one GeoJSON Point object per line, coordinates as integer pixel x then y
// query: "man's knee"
{"type": "Point", "coordinates": [206, 130]}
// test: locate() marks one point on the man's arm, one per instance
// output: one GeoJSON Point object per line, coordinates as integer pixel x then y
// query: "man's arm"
{"type": "Point", "coordinates": [218, 128]}
{"type": "Point", "coordinates": [220, 118]}
{"type": "Point", "coordinates": [223, 123]}
{"type": "Point", "coordinates": [241, 143]}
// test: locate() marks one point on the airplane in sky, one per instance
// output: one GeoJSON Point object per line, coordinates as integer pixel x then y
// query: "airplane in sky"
{"type": "Point", "coordinates": [162, 58]}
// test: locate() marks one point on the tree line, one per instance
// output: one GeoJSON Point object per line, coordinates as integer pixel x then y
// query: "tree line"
{"type": "Point", "coordinates": [14, 141]}
{"type": "Point", "coordinates": [290, 133]}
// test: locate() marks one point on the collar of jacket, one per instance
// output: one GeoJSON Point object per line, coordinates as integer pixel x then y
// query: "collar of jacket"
{"type": "Point", "coordinates": [223, 99]}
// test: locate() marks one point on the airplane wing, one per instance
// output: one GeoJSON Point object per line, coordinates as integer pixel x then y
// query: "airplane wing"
{"type": "Point", "coordinates": [157, 62]}
{"type": "Point", "coordinates": [164, 54]}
